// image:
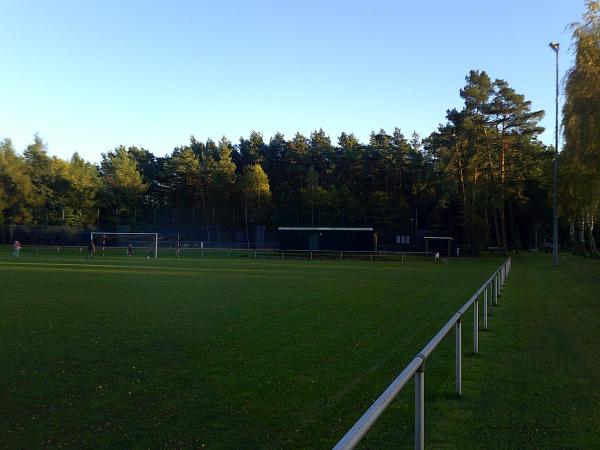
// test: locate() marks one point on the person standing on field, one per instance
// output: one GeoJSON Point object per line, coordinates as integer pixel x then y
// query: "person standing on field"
{"type": "Point", "coordinates": [130, 250]}
{"type": "Point", "coordinates": [91, 250]}
{"type": "Point", "coordinates": [436, 257]}
{"type": "Point", "coordinates": [17, 249]}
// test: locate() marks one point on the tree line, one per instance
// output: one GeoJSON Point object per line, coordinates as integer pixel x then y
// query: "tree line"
{"type": "Point", "coordinates": [580, 159]}
{"type": "Point", "coordinates": [482, 176]}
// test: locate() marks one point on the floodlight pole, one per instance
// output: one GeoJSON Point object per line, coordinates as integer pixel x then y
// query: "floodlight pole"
{"type": "Point", "coordinates": [556, 47]}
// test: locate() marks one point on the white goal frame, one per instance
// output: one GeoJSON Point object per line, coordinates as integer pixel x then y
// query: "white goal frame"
{"type": "Point", "coordinates": [102, 233]}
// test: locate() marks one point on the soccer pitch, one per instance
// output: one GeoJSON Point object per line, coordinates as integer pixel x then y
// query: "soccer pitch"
{"type": "Point", "coordinates": [223, 353]}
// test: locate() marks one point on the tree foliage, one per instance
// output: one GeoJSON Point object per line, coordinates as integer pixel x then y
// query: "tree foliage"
{"type": "Point", "coordinates": [487, 152]}
{"type": "Point", "coordinates": [480, 178]}
{"type": "Point", "coordinates": [580, 159]}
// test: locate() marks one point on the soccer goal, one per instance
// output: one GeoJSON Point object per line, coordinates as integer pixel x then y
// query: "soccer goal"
{"type": "Point", "coordinates": [131, 242]}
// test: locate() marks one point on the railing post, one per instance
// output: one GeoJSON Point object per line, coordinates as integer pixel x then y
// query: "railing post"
{"type": "Point", "coordinates": [476, 326]}
{"type": "Point", "coordinates": [420, 408]}
{"type": "Point", "coordinates": [485, 308]}
{"type": "Point", "coordinates": [497, 278]}
{"type": "Point", "coordinates": [496, 289]}
{"type": "Point", "coordinates": [458, 357]}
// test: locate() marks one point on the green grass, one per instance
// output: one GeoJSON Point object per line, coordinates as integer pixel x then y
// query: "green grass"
{"type": "Point", "coordinates": [251, 353]}
{"type": "Point", "coordinates": [537, 382]}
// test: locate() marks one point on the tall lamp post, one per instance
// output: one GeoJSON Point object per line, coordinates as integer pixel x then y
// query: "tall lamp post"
{"type": "Point", "coordinates": [555, 46]}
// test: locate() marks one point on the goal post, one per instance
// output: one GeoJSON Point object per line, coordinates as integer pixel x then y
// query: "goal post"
{"type": "Point", "coordinates": [103, 235]}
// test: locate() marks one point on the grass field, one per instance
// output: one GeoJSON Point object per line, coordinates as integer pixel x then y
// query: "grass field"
{"type": "Point", "coordinates": [250, 353]}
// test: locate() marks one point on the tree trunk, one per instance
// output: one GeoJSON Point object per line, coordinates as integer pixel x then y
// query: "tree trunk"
{"type": "Point", "coordinates": [582, 249]}
{"type": "Point", "coordinates": [259, 211]}
{"type": "Point", "coordinates": [502, 219]}
{"type": "Point", "coordinates": [514, 229]}
{"type": "Point", "coordinates": [497, 229]}
{"type": "Point", "coordinates": [205, 211]}
{"type": "Point", "coordinates": [572, 237]}
{"type": "Point", "coordinates": [246, 217]}
{"type": "Point", "coordinates": [591, 240]}
{"type": "Point", "coordinates": [466, 206]}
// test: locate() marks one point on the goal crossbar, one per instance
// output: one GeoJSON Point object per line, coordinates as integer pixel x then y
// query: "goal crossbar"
{"type": "Point", "coordinates": [102, 233]}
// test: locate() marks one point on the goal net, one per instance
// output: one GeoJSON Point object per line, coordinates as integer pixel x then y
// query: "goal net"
{"type": "Point", "coordinates": [130, 244]}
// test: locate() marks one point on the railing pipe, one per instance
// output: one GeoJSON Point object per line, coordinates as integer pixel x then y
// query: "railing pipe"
{"type": "Point", "coordinates": [416, 367]}
{"type": "Point", "coordinates": [433, 343]}
{"type": "Point", "coordinates": [366, 421]}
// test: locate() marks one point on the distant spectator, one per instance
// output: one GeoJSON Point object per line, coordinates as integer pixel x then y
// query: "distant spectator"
{"type": "Point", "coordinates": [17, 249]}
{"type": "Point", "coordinates": [91, 250]}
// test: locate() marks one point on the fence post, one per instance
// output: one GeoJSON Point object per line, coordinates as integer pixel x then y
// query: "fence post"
{"type": "Point", "coordinates": [485, 308]}
{"type": "Point", "coordinates": [476, 326]}
{"type": "Point", "coordinates": [497, 292]}
{"type": "Point", "coordinates": [496, 289]}
{"type": "Point", "coordinates": [458, 357]}
{"type": "Point", "coordinates": [420, 408]}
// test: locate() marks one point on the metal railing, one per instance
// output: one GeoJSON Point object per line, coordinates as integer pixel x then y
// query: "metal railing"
{"type": "Point", "coordinates": [167, 248]}
{"type": "Point", "coordinates": [490, 290]}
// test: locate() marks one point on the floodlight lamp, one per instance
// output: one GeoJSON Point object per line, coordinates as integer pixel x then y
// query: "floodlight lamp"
{"type": "Point", "coordinates": [554, 46]}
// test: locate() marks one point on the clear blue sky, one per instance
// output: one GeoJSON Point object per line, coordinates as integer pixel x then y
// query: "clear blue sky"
{"type": "Point", "coordinates": [90, 75]}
